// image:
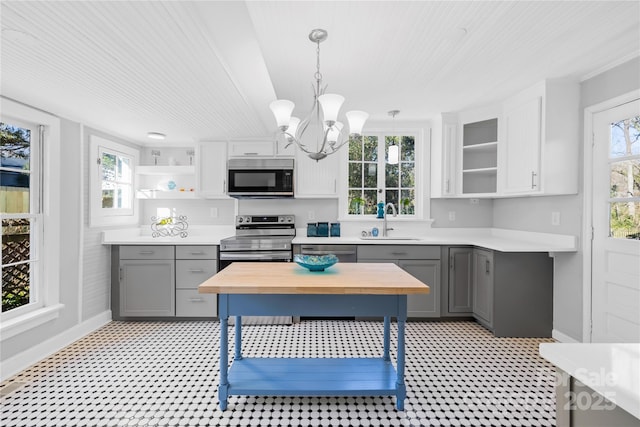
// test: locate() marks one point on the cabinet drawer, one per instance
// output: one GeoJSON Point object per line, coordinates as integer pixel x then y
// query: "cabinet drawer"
{"type": "Point", "coordinates": [197, 252]}
{"type": "Point", "coordinates": [189, 303]}
{"type": "Point", "coordinates": [398, 252]}
{"type": "Point", "coordinates": [146, 252]}
{"type": "Point", "coordinates": [191, 273]}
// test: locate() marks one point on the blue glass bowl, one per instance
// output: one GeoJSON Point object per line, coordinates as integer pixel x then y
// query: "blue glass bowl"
{"type": "Point", "coordinates": [315, 262]}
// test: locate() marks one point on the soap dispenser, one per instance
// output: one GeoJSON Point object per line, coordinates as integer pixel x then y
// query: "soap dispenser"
{"type": "Point", "coordinates": [380, 210]}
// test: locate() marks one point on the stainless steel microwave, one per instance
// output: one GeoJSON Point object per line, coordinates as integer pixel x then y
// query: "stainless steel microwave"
{"type": "Point", "coordinates": [260, 178]}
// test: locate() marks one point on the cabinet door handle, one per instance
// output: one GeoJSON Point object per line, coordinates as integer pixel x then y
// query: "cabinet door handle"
{"type": "Point", "coordinates": [146, 252]}
{"type": "Point", "coordinates": [397, 253]}
{"type": "Point", "coordinates": [487, 266]}
{"type": "Point", "coordinates": [197, 253]}
{"type": "Point", "coordinates": [196, 270]}
{"type": "Point", "coordinates": [120, 273]}
{"type": "Point", "coordinates": [199, 299]}
{"type": "Point", "coordinates": [447, 186]}
{"type": "Point", "coordinates": [533, 183]}
{"type": "Point", "coordinates": [250, 154]}
{"type": "Point", "coordinates": [452, 262]}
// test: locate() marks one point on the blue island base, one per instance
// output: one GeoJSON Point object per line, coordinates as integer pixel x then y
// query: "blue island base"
{"type": "Point", "coordinates": [313, 377]}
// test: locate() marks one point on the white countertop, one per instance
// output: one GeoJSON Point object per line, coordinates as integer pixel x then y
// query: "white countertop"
{"type": "Point", "coordinates": [612, 370]}
{"type": "Point", "coordinates": [197, 235]}
{"type": "Point", "coordinates": [491, 238]}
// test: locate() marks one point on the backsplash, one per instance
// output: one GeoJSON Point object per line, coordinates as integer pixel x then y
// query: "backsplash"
{"type": "Point", "coordinates": [223, 211]}
{"type": "Point", "coordinates": [198, 211]}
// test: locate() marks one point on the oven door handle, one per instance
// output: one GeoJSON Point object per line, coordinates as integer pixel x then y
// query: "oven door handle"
{"type": "Point", "coordinates": [255, 256]}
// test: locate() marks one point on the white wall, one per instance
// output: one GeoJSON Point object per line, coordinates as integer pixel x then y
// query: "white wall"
{"type": "Point", "coordinates": [466, 214]}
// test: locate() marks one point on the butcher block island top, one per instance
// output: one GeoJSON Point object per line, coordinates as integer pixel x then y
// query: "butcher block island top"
{"type": "Point", "coordinates": [290, 278]}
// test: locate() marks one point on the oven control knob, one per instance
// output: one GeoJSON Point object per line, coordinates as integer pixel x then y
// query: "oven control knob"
{"type": "Point", "coordinates": [240, 219]}
{"type": "Point", "coordinates": [247, 219]}
{"type": "Point", "coordinates": [289, 219]}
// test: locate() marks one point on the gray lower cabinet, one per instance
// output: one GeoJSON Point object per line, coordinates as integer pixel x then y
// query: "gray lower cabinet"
{"type": "Point", "coordinates": [482, 278]}
{"type": "Point", "coordinates": [459, 301]}
{"type": "Point", "coordinates": [513, 292]}
{"type": "Point", "coordinates": [422, 262]}
{"type": "Point", "coordinates": [160, 281]}
{"type": "Point", "coordinates": [146, 281]}
{"type": "Point", "coordinates": [194, 265]}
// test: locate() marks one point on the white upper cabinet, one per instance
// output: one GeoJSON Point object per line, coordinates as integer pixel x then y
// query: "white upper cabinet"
{"type": "Point", "coordinates": [251, 148]}
{"type": "Point", "coordinates": [211, 169]}
{"type": "Point", "coordinates": [317, 178]}
{"type": "Point", "coordinates": [521, 165]}
{"type": "Point", "coordinates": [264, 147]}
{"type": "Point", "coordinates": [480, 157]}
{"type": "Point", "coordinates": [477, 154]}
{"type": "Point", "coordinates": [539, 154]}
{"type": "Point", "coordinates": [524, 146]}
{"type": "Point", "coordinates": [443, 155]}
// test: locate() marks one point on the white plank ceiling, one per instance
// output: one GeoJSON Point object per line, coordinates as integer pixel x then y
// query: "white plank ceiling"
{"type": "Point", "coordinates": [199, 70]}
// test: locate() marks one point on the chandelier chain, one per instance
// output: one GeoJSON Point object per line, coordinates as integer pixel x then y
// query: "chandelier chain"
{"type": "Point", "coordinates": [318, 74]}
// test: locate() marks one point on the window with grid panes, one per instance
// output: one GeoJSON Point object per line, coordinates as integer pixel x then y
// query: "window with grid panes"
{"type": "Point", "coordinates": [371, 179]}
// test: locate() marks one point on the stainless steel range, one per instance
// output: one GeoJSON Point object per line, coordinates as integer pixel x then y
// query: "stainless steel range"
{"type": "Point", "coordinates": [262, 238]}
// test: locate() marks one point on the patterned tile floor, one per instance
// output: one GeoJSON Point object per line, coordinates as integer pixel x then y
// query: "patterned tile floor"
{"type": "Point", "coordinates": [166, 373]}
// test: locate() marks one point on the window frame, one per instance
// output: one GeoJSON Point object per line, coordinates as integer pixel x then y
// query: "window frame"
{"type": "Point", "coordinates": [46, 194]}
{"type": "Point", "coordinates": [34, 216]}
{"type": "Point", "coordinates": [99, 216]}
{"type": "Point", "coordinates": [421, 165]}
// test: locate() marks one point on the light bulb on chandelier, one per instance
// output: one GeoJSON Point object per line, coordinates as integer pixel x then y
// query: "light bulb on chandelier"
{"type": "Point", "coordinates": [333, 136]}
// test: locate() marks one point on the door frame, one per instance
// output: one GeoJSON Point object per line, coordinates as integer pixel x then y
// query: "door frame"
{"type": "Point", "coordinates": [587, 212]}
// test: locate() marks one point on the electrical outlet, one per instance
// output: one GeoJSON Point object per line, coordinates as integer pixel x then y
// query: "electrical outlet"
{"type": "Point", "coordinates": [555, 218]}
{"type": "Point", "coordinates": [452, 215]}
{"type": "Point", "coordinates": [213, 212]}
{"type": "Point", "coordinates": [311, 215]}
{"type": "Point", "coordinates": [474, 201]}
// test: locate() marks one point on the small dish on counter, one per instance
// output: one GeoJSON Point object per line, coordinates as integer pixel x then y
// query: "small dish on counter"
{"type": "Point", "coordinates": [315, 262]}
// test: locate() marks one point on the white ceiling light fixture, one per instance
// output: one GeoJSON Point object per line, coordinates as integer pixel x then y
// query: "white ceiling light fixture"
{"type": "Point", "coordinates": [394, 150]}
{"type": "Point", "coordinates": [156, 135]}
{"type": "Point", "coordinates": [331, 135]}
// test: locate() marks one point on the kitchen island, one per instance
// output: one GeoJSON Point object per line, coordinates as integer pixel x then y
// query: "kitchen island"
{"type": "Point", "coordinates": [346, 289]}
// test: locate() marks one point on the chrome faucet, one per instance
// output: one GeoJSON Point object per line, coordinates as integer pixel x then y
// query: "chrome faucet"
{"type": "Point", "coordinates": [386, 229]}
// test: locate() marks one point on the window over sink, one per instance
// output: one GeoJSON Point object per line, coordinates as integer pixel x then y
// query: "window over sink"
{"type": "Point", "coordinates": [372, 179]}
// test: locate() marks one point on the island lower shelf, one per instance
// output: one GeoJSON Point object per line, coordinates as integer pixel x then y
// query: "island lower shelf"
{"type": "Point", "coordinates": [312, 377]}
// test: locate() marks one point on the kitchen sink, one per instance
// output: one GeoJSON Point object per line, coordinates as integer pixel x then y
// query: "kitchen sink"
{"type": "Point", "coordinates": [389, 238]}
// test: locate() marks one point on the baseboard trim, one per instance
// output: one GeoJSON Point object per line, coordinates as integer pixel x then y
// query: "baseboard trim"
{"type": "Point", "coordinates": [559, 336]}
{"type": "Point", "coordinates": [23, 360]}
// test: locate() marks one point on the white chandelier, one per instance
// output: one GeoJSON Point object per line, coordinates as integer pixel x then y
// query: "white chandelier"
{"type": "Point", "coordinates": [333, 135]}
